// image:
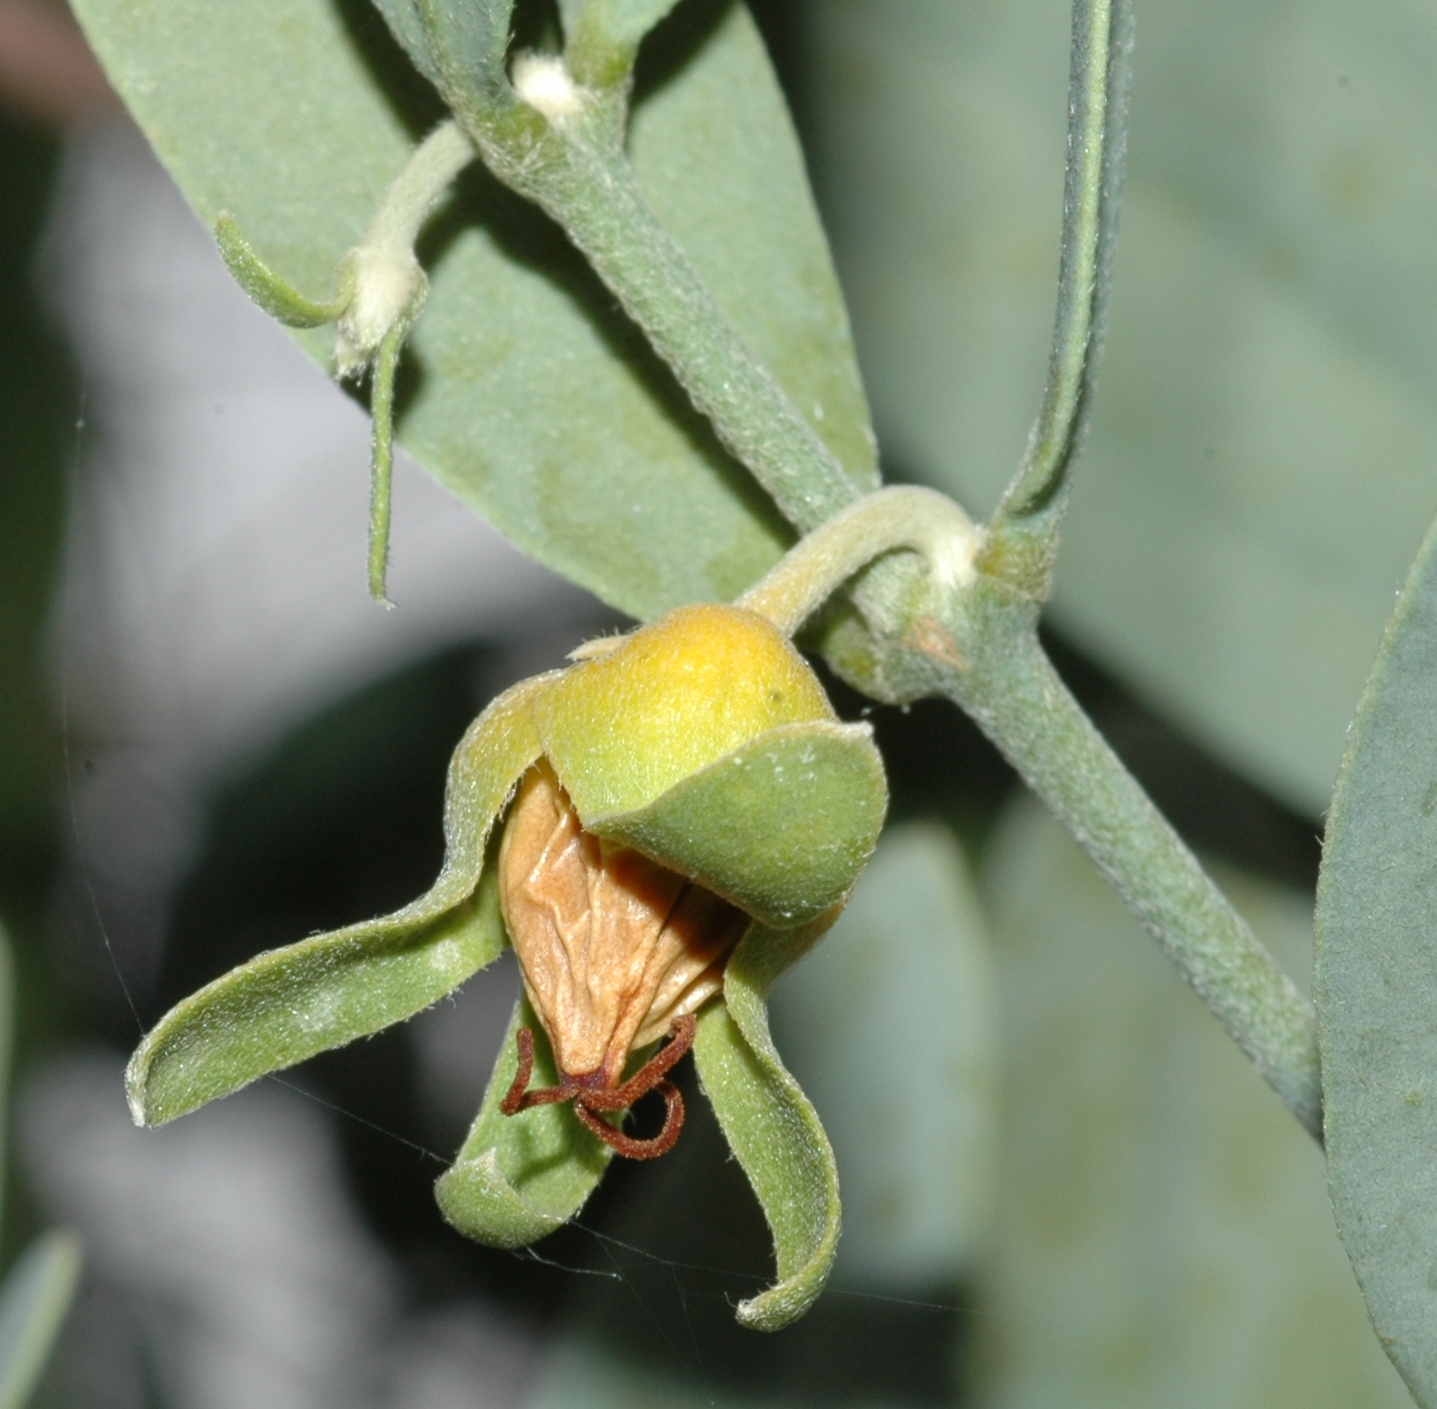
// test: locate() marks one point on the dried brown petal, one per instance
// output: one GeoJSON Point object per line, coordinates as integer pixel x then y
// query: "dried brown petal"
{"type": "Point", "coordinates": [612, 945]}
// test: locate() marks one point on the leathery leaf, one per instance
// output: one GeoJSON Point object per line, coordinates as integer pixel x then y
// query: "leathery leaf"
{"type": "Point", "coordinates": [406, 24]}
{"type": "Point", "coordinates": [288, 1004]}
{"type": "Point", "coordinates": [34, 1300]}
{"type": "Point", "coordinates": [519, 1177]}
{"type": "Point", "coordinates": [770, 1125]}
{"type": "Point", "coordinates": [1271, 340]}
{"type": "Point", "coordinates": [470, 38]}
{"type": "Point", "coordinates": [295, 115]}
{"type": "Point", "coordinates": [781, 827]}
{"type": "Point", "coordinates": [1376, 986]}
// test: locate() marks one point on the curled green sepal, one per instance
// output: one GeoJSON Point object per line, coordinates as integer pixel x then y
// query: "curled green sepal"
{"type": "Point", "coordinates": [277, 297]}
{"type": "Point", "coordinates": [770, 1125]}
{"type": "Point", "coordinates": [520, 1177]}
{"type": "Point", "coordinates": [289, 1004]}
{"type": "Point", "coordinates": [723, 826]}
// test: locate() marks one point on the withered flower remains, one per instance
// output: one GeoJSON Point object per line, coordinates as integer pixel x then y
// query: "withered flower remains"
{"type": "Point", "coordinates": [683, 816]}
{"type": "Point", "coordinates": [616, 952]}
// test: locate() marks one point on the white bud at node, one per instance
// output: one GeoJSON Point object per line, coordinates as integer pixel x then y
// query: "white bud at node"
{"type": "Point", "coordinates": [542, 81]}
{"type": "Point", "coordinates": [386, 285]}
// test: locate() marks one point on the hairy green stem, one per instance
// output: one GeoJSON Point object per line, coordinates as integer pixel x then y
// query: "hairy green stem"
{"type": "Point", "coordinates": [1011, 689]}
{"type": "Point", "coordinates": [1097, 114]}
{"type": "Point", "coordinates": [413, 194]}
{"type": "Point", "coordinates": [389, 293]}
{"type": "Point", "coordinates": [902, 516]}
{"type": "Point", "coordinates": [645, 267]}
{"type": "Point", "coordinates": [379, 292]}
{"type": "Point", "coordinates": [568, 157]}
{"type": "Point", "coordinates": [381, 404]}
{"type": "Point", "coordinates": [389, 285]}
{"type": "Point", "coordinates": [972, 638]}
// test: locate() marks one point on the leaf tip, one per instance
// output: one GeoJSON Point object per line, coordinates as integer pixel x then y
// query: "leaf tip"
{"type": "Point", "coordinates": [136, 1082]}
{"type": "Point", "coordinates": [779, 1306]}
{"type": "Point", "coordinates": [478, 1201]}
{"type": "Point", "coordinates": [272, 293]}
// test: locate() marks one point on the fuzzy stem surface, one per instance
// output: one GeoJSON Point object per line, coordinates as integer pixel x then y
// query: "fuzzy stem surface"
{"type": "Point", "coordinates": [901, 516]}
{"type": "Point", "coordinates": [1098, 89]}
{"type": "Point", "coordinates": [1018, 699]}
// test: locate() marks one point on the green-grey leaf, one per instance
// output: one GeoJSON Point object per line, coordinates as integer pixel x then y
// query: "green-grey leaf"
{"type": "Point", "coordinates": [33, 1301]}
{"type": "Point", "coordinates": [407, 26]}
{"type": "Point", "coordinates": [1377, 986]}
{"type": "Point", "coordinates": [582, 1368]}
{"type": "Point", "coordinates": [288, 1004]}
{"type": "Point", "coordinates": [467, 40]}
{"type": "Point", "coordinates": [519, 1177]}
{"type": "Point", "coordinates": [536, 403]}
{"type": "Point", "coordinates": [771, 1127]}
{"type": "Point", "coordinates": [1164, 1236]}
{"type": "Point", "coordinates": [1259, 469]}
{"type": "Point", "coordinates": [277, 298]}
{"type": "Point", "coordinates": [889, 1027]}
{"type": "Point", "coordinates": [780, 827]}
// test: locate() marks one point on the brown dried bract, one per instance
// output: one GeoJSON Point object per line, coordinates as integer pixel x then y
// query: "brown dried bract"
{"type": "Point", "coordinates": [614, 948]}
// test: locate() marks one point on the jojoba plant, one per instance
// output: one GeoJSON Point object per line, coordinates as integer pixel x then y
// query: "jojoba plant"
{"type": "Point", "coordinates": [665, 825]}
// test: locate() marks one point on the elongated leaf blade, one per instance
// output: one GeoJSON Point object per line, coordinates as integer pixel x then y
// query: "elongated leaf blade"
{"type": "Point", "coordinates": [288, 1004]}
{"type": "Point", "coordinates": [468, 39]}
{"type": "Point", "coordinates": [520, 1177]}
{"type": "Point", "coordinates": [407, 26]}
{"type": "Point", "coordinates": [771, 1126]}
{"type": "Point", "coordinates": [536, 402]}
{"type": "Point", "coordinates": [33, 1302]}
{"type": "Point", "coordinates": [1377, 986]}
{"type": "Point", "coordinates": [1259, 469]}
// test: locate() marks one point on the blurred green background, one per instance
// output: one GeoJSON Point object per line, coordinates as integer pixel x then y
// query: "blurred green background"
{"type": "Point", "coordinates": [37, 410]}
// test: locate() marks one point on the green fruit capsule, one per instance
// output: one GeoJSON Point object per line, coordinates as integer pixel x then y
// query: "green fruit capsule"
{"type": "Point", "coordinates": [706, 742]}
{"type": "Point", "coordinates": [683, 816]}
